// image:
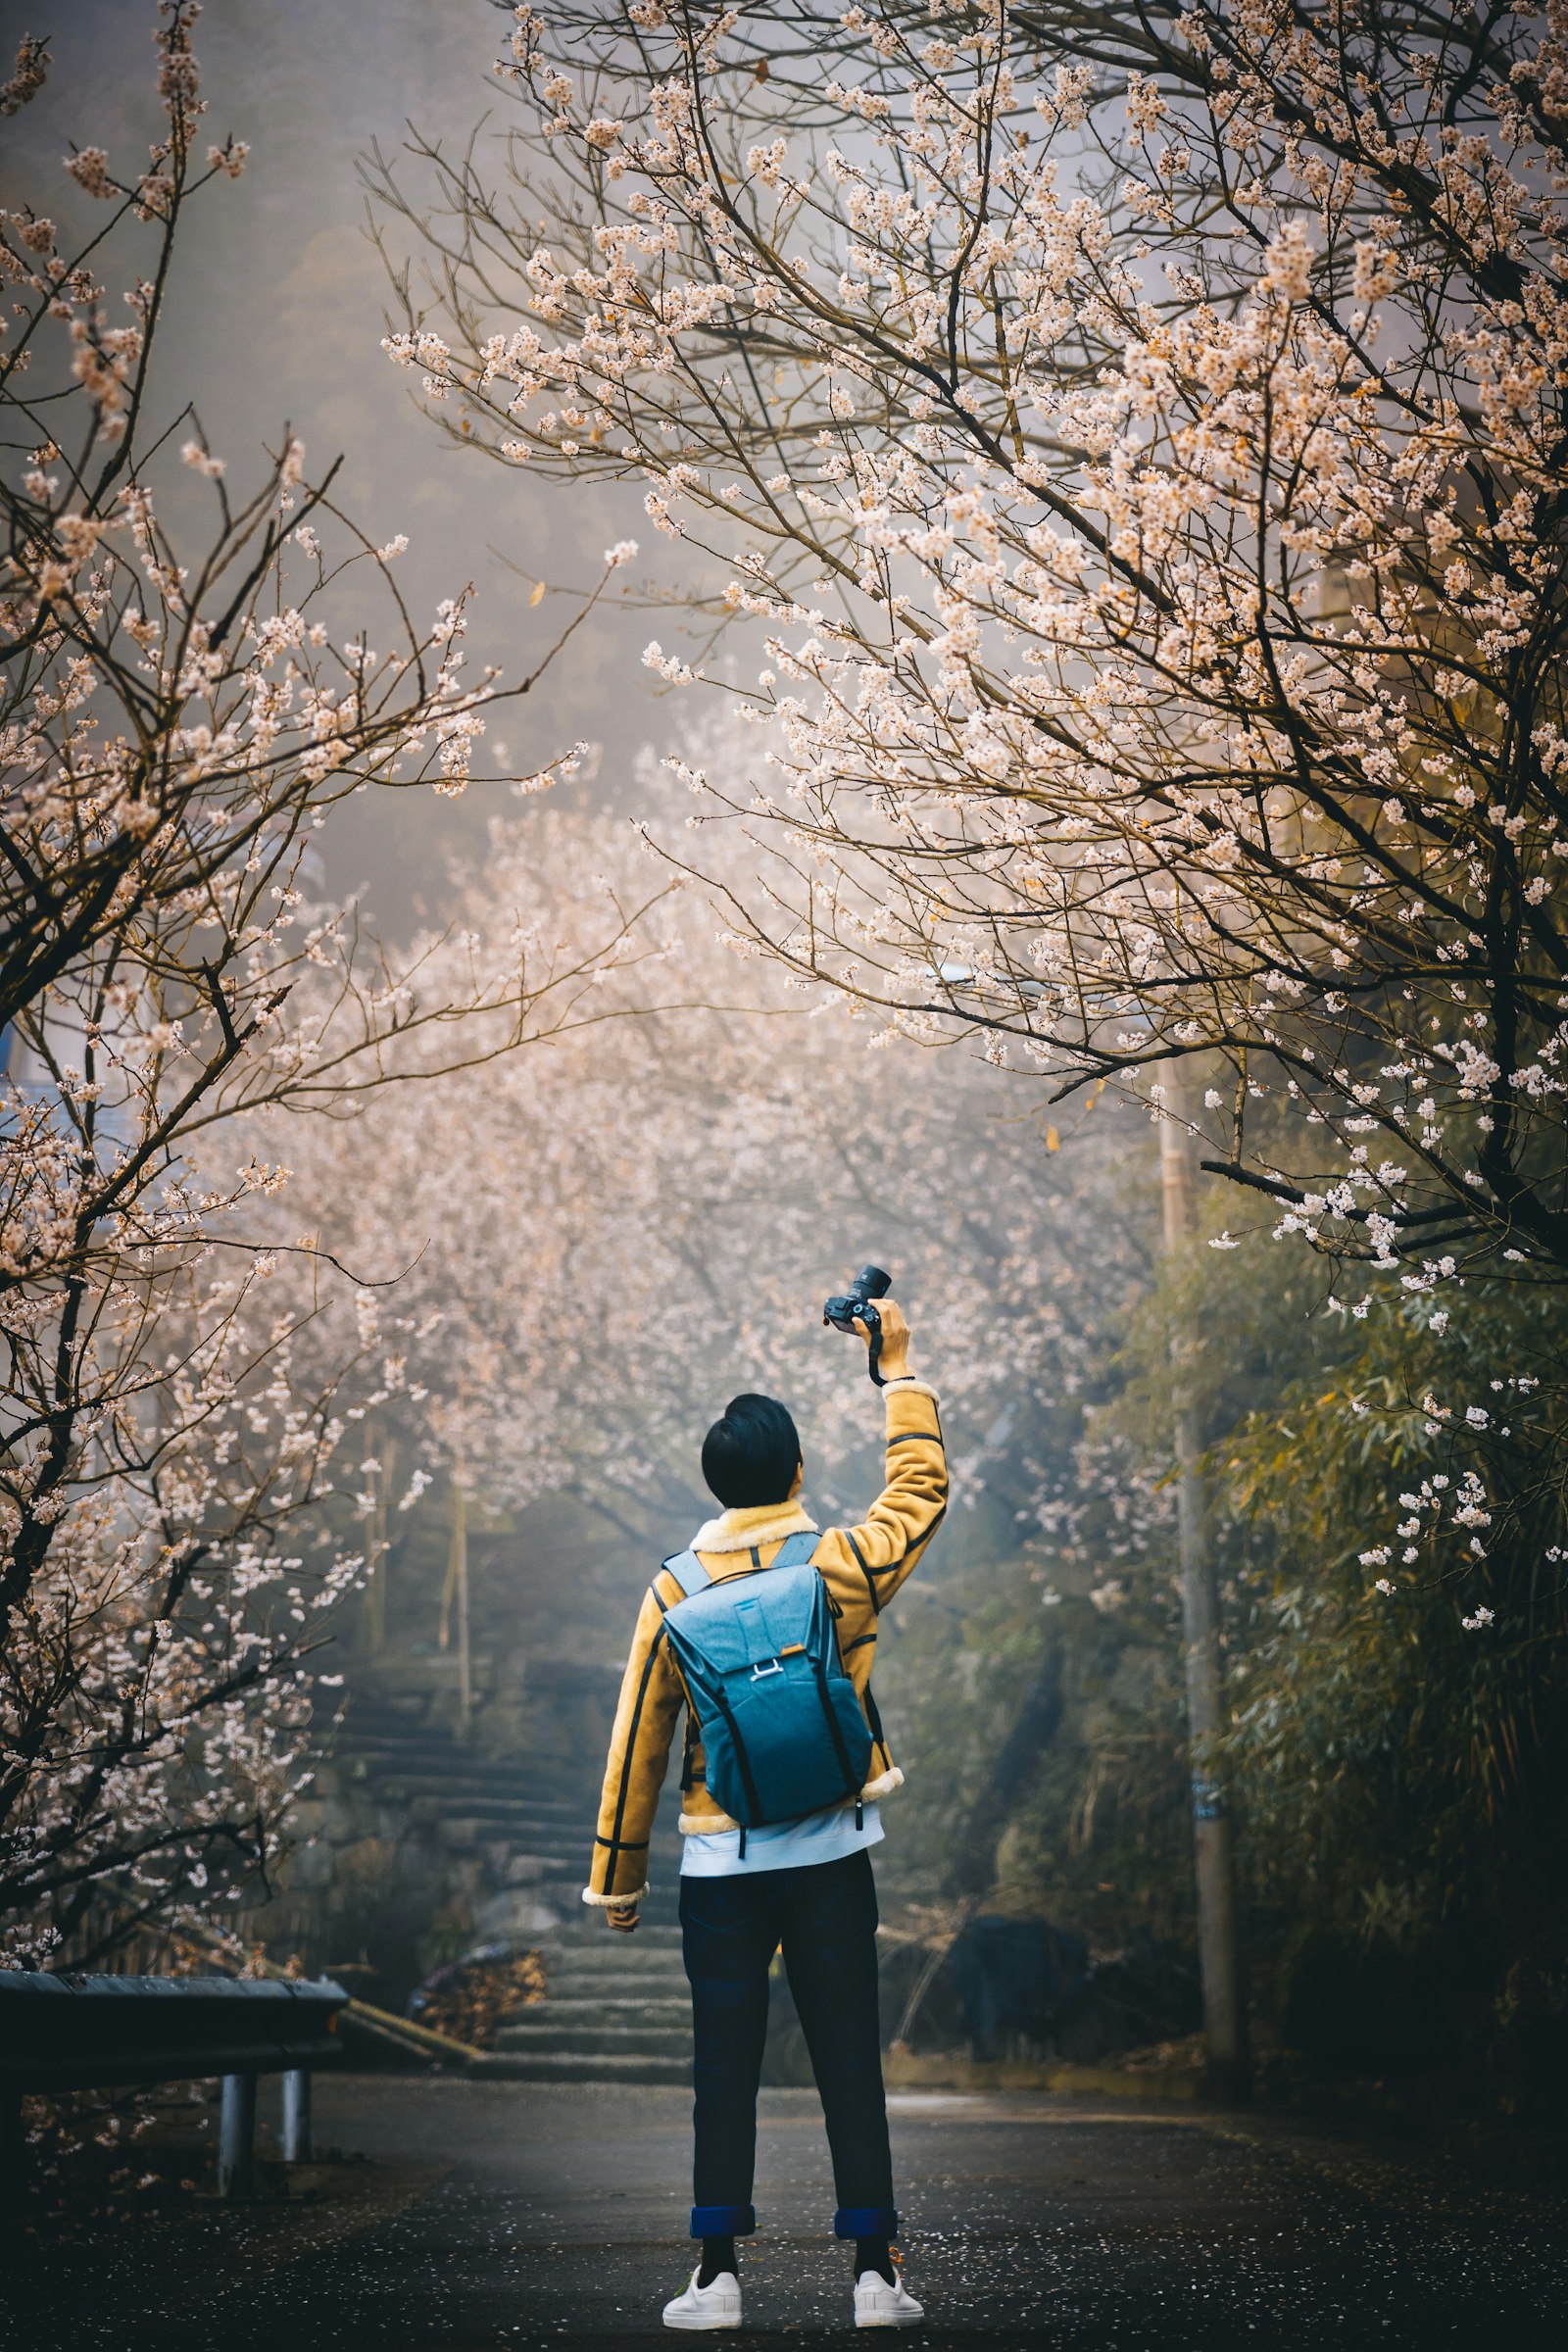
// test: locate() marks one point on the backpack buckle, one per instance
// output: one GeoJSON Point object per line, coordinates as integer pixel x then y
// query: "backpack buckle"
{"type": "Point", "coordinates": [767, 1667]}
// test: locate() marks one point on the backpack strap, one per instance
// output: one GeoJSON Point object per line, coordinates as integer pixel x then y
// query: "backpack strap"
{"type": "Point", "coordinates": [687, 1570]}
{"type": "Point", "coordinates": [691, 1576]}
{"type": "Point", "coordinates": [795, 1549]}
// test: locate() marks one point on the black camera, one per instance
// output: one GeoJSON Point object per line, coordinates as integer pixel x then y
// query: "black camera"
{"type": "Point", "coordinates": [854, 1305]}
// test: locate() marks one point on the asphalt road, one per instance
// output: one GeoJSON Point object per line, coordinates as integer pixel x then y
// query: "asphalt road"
{"type": "Point", "coordinates": [496, 2215]}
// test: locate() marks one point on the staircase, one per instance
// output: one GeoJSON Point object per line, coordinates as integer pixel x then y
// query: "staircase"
{"type": "Point", "coordinates": [617, 2009]}
{"type": "Point", "coordinates": [492, 1816]}
{"type": "Point", "coordinates": [514, 1839]}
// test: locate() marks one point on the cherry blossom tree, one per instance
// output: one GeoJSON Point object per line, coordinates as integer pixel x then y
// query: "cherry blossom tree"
{"type": "Point", "coordinates": [187, 695]}
{"type": "Point", "coordinates": [607, 1231]}
{"type": "Point", "coordinates": [1137, 435]}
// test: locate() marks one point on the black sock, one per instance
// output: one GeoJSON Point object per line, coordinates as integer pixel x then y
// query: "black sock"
{"type": "Point", "coordinates": [874, 2254]}
{"type": "Point", "coordinates": [718, 2254]}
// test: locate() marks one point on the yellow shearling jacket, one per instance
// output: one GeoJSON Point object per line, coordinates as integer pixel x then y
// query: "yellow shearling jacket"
{"type": "Point", "coordinates": [862, 1567]}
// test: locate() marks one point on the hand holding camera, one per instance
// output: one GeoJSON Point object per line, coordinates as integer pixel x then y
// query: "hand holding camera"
{"type": "Point", "coordinates": [865, 1307]}
{"type": "Point", "coordinates": [894, 1361]}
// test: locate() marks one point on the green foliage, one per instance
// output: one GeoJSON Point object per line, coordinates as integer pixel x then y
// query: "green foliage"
{"type": "Point", "coordinates": [1399, 1753]}
{"type": "Point", "coordinates": [1387, 1483]}
{"type": "Point", "coordinates": [1045, 1745]}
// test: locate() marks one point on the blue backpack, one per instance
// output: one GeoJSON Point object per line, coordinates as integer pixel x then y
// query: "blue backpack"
{"type": "Point", "coordinates": [783, 1731]}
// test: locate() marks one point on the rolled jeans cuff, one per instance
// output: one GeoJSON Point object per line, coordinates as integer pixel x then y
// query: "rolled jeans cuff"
{"type": "Point", "coordinates": [865, 2221]}
{"type": "Point", "coordinates": [723, 2221]}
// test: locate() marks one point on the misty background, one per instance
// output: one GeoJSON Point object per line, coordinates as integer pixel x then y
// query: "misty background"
{"type": "Point", "coordinates": [275, 318]}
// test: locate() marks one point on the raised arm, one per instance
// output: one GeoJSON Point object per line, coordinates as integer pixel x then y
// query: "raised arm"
{"type": "Point", "coordinates": [863, 1566]}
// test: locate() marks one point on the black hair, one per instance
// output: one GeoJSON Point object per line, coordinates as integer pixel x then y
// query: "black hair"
{"type": "Point", "coordinates": [751, 1456]}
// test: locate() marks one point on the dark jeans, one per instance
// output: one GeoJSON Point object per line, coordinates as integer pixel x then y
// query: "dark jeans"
{"type": "Point", "coordinates": [825, 1918]}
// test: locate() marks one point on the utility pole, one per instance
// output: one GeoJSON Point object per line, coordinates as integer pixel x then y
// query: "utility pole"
{"type": "Point", "coordinates": [1219, 1943]}
{"type": "Point", "coordinates": [456, 1595]}
{"type": "Point", "coordinates": [460, 1542]}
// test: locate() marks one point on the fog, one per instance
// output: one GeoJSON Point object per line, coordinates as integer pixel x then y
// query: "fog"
{"type": "Point", "coordinates": [277, 319]}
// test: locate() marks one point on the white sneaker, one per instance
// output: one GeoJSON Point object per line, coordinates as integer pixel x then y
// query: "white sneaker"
{"type": "Point", "coordinates": [878, 2305]}
{"type": "Point", "coordinates": [715, 2306]}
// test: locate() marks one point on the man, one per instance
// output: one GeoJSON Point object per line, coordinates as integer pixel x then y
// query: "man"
{"type": "Point", "coordinates": [804, 1884]}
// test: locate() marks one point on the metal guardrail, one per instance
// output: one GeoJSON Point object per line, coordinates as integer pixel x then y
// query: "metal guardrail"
{"type": "Point", "coordinates": [72, 2032]}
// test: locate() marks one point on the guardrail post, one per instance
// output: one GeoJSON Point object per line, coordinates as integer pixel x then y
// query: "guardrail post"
{"type": "Point", "coordinates": [236, 2137]}
{"type": "Point", "coordinates": [299, 2146]}
{"type": "Point", "coordinates": [13, 2154]}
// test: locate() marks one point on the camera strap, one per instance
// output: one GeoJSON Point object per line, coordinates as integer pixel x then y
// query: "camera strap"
{"type": "Point", "coordinates": [873, 1324]}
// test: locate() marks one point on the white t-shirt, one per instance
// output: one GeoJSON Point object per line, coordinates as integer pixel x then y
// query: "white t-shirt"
{"type": "Point", "coordinates": [825, 1836]}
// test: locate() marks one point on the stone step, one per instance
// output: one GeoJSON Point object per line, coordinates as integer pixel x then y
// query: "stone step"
{"type": "Point", "coordinates": [596, 2041]}
{"type": "Point", "coordinates": [561, 1856]}
{"type": "Point", "coordinates": [458, 1831]}
{"type": "Point", "coordinates": [513, 1869]}
{"type": "Point", "coordinates": [575, 1821]}
{"type": "Point", "coordinates": [473, 1794]}
{"type": "Point", "coordinates": [473, 1789]}
{"type": "Point", "coordinates": [550, 2066]}
{"type": "Point", "coordinates": [523, 1837]}
{"type": "Point", "coordinates": [648, 1947]}
{"type": "Point", "coordinates": [436, 1776]}
{"type": "Point", "coordinates": [508, 1771]}
{"type": "Point", "coordinates": [623, 1955]}
{"type": "Point", "coordinates": [524, 1828]}
{"type": "Point", "coordinates": [599, 1949]}
{"type": "Point", "coordinates": [670, 1999]}
{"type": "Point", "coordinates": [643, 1975]}
{"type": "Point", "coordinates": [659, 1918]}
{"type": "Point", "coordinates": [503, 1777]}
{"type": "Point", "coordinates": [504, 1774]}
{"type": "Point", "coordinates": [533, 1869]}
{"type": "Point", "coordinates": [504, 1839]}
{"type": "Point", "coordinates": [613, 2009]}
{"type": "Point", "coordinates": [648, 1974]}
{"type": "Point", "coordinates": [451, 1796]}
{"type": "Point", "coordinates": [621, 2007]}
{"type": "Point", "coordinates": [527, 1836]}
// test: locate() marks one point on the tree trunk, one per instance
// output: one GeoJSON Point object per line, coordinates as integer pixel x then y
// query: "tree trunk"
{"type": "Point", "coordinates": [1219, 1943]}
